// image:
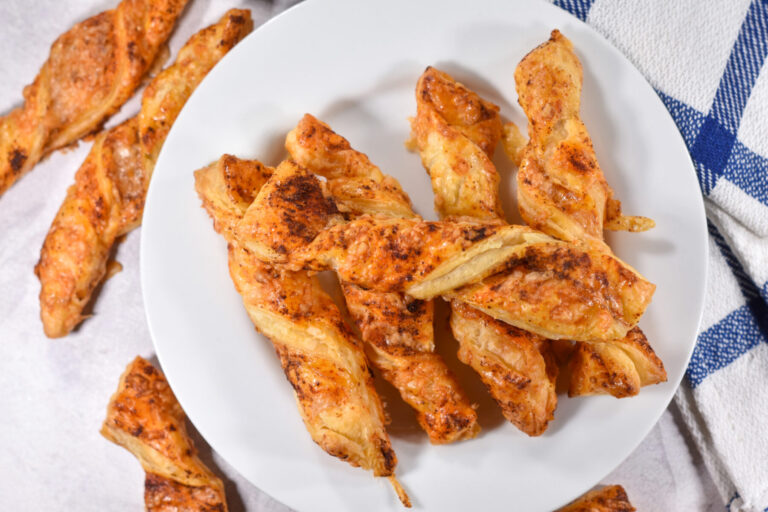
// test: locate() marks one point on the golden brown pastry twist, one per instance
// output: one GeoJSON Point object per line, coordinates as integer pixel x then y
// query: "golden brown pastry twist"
{"type": "Point", "coordinates": [455, 132]}
{"type": "Point", "coordinates": [563, 192]}
{"type": "Point", "coordinates": [612, 498]}
{"type": "Point", "coordinates": [320, 356]}
{"type": "Point", "coordinates": [92, 69]}
{"type": "Point", "coordinates": [107, 198]}
{"type": "Point", "coordinates": [144, 417]}
{"type": "Point", "coordinates": [546, 286]}
{"type": "Point", "coordinates": [397, 331]}
{"type": "Point", "coordinates": [561, 188]}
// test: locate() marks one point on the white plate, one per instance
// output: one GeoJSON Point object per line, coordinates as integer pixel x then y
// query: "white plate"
{"type": "Point", "coordinates": [355, 64]}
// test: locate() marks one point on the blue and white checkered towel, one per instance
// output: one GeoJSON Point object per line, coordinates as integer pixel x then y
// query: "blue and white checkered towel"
{"type": "Point", "coordinates": [707, 61]}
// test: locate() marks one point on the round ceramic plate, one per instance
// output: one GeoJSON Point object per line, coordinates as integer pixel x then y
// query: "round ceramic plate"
{"type": "Point", "coordinates": [355, 65]}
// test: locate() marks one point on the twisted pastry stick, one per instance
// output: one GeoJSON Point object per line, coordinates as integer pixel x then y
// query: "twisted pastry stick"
{"type": "Point", "coordinates": [561, 188]}
{"type": "Point", "coordinates": [563, 192]}
{"type": "Point", "coordinates": [356, 185]}
{"type": "Point", "coordinates": [107, 198]}
{"type": "Point", "coordinates": [612, 498]}
{"type": "Point", "coordinates": [144, 417]}
{"type": "Point", "coordinates": [547, 286]}
{"type": "Point", "coordinates": [92, 69]}
{"type": "Point", "coordinates": [291, 222]}
{"type": "Point", "coordinates": [397, 331]}
{"type": "Point", "coordinates": [561, 291]}
{"type": "Point", "coordinates": [455, 132]}
{"type": "Point", "coordinates": [320, 356]}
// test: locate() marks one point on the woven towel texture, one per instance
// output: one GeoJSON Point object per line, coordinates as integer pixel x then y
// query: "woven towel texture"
{"type": "Point", "coordinates": [706, 60]}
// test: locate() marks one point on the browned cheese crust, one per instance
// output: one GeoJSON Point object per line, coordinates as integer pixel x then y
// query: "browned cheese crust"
{"type": "Point", "coordinates": [288, 213]}
{"type": "Point", "coordinates": [292, 221]}
{"type": "Point", "coordinates": [619, 367]}
{"type": "Point", "coordinates": [562, 291]}
{"type": "Point", "coordinates": [456, 132]}
{"type": "Point", "coordinates": [426, 259]}
{"type": "Point", "coordinates": [144, 417]}
{"type": "Point", "coordinates": [107, 199]}
{"type": "Point", "coordinates": [562, 191]}
{"type": "Point", "coordinates": [92, 69]}
{"type": "Point", "coordinates": [321, 358]}
{"type": "Point", "coordinates": [397, 331]}
{"type": "Point", "coordinates": [357, 186]}
{"type": "Point", "coordinates": [227, 187]}
{"type": "Point", "coordinates": [608, 499]}
{"type": "Point", "coordinates": [516, 366]}
{"type": "Point", "coordinates": [388, 254]}
{"type": "Point", "coordinates": [98, 208]}
{"type": "Point", "coordinates": [399, 338]}
{"type": "Point", "coordinates": [165, 495]}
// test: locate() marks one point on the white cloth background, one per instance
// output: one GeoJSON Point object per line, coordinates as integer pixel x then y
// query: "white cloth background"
{"type": "Point", "coordinates": [53, 393]}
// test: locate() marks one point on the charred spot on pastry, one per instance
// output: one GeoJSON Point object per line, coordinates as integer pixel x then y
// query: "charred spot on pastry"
{"type": "Point", "coordinates": [333, 141]}
{"type": "Point", "coordinates": [98, 207]}
{"type": "Point", "coordinates": [133, 54]}
{"type": "Point", "coordinates": [299, 188]}
{"type": "Point", "coordinates": [456, 421]}
{"type": "Point", "coordinates": [153, 482]}
{"type": "Point", "coordinates": [516, 380]}
{"type": "Point", "coordinates": [485, 113]}
{"type": "Point", "coordinates": [388, 454]}
{"type": "Point", "coordinates": [337, 144]}
{"type": "Point", "coordinates": [530, 260]}
{"type": "Point", "coordinates": [137, 431]}
{"type": "Point", "coordinates": [416, 306]}
{"type": "Point", "coordinates": [476, 234]}
{"type": "Point", "coordinates": [146, 137]}
{"type": "Point", "coordinates": [578, 160]}
{"type": "Point", "coordinates": [18, 157]}
{"type": "Point", "coordinates": [399, 252]}
{"type": "Point", "coordinates": [621, 494]}
{"type": "Point", "coordinates": [296, 229]}
{"type": "Point", "coordinates": [595, 356]}
{"type": "Point", "coordinates": [309, 132]}
{"type": "Point", "coordinates": [627, 276]}
{"type": "Point", "coordinates": [296, 382]}
{"type": "Point", "coordinates": [237, 19]}
{"type": "Point", "coordinates": [427, 78]}
{"type": "Point", "coordinates": [570, 260]}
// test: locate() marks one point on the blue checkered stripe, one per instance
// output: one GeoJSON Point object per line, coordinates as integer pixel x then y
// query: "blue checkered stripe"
{"type": "Point", "coordinates": [717, 154]}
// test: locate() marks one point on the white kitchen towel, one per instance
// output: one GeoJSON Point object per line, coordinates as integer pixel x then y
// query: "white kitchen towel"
{"type": "Point", "coordinates": [706, 60]}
